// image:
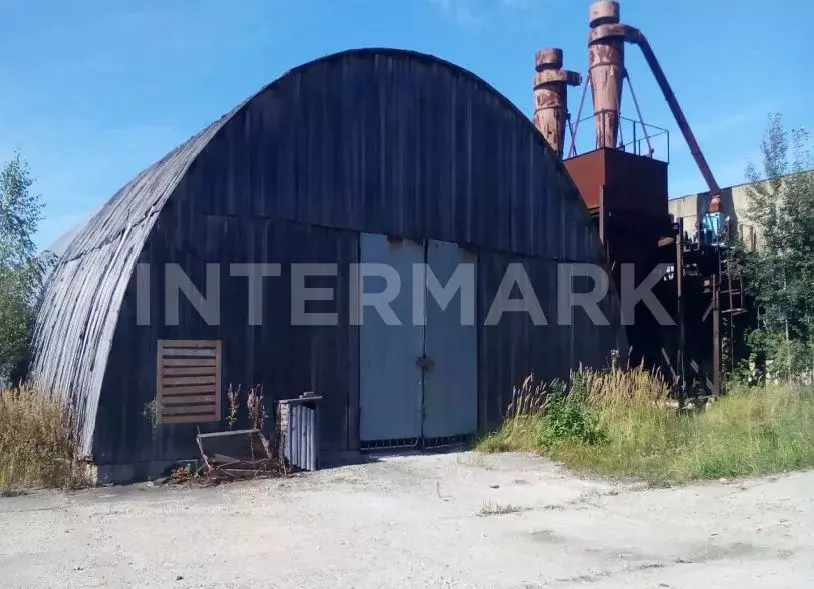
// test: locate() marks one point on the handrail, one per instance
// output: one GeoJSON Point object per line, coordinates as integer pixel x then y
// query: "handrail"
{"type": "Point", "coordinates": [636, 37]}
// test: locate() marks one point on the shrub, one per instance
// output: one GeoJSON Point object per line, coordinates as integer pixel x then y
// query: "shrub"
{"type": "Point", "coordinates": [568, 418]}
{"type": "Point", "coordinates": [38, 443]}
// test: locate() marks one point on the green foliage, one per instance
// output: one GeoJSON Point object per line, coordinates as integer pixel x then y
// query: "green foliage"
{"type": "Point", "coordinates": [781, 274]}
{"type": "Point", "coordinates": [20, 214]}
{"type": "Point", "coordinates": [785, 359]}
{"type": "Point", "coordinates": [621, 423]}
{"type": "Point", "coordinates": [569, 419]}
{"type": "Point", "coordinates": [21, 268]}
{"type": "Point", "coordinates": [15, 318]}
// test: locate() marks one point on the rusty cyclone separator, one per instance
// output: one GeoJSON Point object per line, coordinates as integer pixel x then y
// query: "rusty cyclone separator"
{"type": "Point", "coordinates": [606, 51]}
{"type": "Point", "coordinates": [551, 96]}
{"type": "Point", "coordinates": [606, 70]}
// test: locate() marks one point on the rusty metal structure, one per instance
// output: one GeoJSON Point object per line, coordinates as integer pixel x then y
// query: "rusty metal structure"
{"type": "Point", "coordinates": [606, 50]}
{"type": "Point", "coordinates": [625, 190]}
{"type": "Point", "coordinates": [551, 96]}
{"type": "Point", "coordinates": [606, 66]}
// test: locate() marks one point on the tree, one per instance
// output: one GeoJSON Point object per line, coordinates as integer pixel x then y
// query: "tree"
{"type": "Point", "coordinates": [781, 274]}
{"type": "Point", "coordinates": [21, 268]}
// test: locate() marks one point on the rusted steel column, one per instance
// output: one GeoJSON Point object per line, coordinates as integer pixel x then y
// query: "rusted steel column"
{"type": "Point", "coordinates": [551, 96]}
{"type": "Point", "coordinates": [606, 62]}
{"type": "Point", "coordinates": [681, 363]}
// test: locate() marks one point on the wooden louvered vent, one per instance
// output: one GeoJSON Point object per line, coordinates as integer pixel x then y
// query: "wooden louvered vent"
{"type": "Point", "coordinates": [188, 381]}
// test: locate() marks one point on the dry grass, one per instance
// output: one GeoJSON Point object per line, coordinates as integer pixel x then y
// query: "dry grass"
{"type": "Point", "coordinates": [489, 507]}
{"type": "Point", "coordinates": [38, 446]}
{"type": "Point", "coordinates": [474, 460]}
{"type": "Point", "coordinates": [751, 431]}
{"type": "Point", "coordinates": [523, 418]}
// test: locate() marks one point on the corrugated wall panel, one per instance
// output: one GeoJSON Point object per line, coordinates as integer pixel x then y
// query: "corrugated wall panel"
{"type": "Point", "coordinates": [516, 348]}
{"type": "Point", "coordinates": [286, 359]}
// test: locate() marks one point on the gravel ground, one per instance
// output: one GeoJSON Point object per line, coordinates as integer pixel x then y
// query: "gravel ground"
{"type": "Point", "coordinates": [440, 520]}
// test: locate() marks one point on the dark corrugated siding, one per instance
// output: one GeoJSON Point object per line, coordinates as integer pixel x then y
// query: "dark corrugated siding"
{"type": "Point", "coordinates": [515, 348]}
{"type": "Point", "coordinates": [287, 360]}
{"type": "Point", "coordinates": [399, 146]}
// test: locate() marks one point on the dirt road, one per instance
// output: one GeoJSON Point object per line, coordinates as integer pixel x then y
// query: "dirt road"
{"type": "Point", "coordinates": [445, 520]}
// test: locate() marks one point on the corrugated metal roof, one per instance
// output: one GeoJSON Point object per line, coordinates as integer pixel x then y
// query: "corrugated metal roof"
{"type": "Point", "coordinates": [80, 303]}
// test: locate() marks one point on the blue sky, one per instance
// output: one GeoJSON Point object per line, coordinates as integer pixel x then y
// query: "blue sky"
{"type": "Point", "coordinates": [93, 91]}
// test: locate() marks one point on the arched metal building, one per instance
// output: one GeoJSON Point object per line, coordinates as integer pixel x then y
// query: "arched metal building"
{"type": "Point", "coordinates": [371, 155]}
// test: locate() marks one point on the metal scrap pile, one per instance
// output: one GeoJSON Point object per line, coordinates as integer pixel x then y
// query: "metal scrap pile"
{"type": "Point", "coordinates": [242, 454]}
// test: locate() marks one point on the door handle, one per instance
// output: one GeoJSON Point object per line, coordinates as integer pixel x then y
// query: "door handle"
{"type": "Point", "coordinates": [425, 363]}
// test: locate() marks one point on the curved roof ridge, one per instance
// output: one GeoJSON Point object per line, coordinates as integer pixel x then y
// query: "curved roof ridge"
{"type": "Point", "coordinates": [132, 204]}
{"type": "Point", "coordinates": [110, 222]}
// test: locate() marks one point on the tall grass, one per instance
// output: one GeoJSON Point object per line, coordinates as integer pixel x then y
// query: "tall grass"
{"type": "Point", "coordinates": [38, 445]}
{"type": "Point", "coordinates": [635, 431]}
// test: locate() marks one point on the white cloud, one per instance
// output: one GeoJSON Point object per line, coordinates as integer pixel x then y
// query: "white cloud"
{"type": "Point", "coordinates": [465, 17]}
{"type": "Point", "coordinates": [460, 10]}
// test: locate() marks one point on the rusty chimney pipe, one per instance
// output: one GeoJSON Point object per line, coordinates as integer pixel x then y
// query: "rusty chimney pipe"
{"type": "Point", "coordinates": [606, 62]}
{"type": "Point", "coordinates": [551, 96]}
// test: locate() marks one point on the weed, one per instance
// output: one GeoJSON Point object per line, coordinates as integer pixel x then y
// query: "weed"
{"type": "Point", "coordinates": [38, 443]}
{"type": "Point", "coordinates": [475, 460]}
{"type": "Point", "coordinates": [233, 396]}
{"type": "Point", "coordinates": [150, 413]}
{"type": "Point", "coordinates": [530, 397]}
{"type": "Point", "coordinates": [257, 412]}
{"type": "Point", "coordinates": [6, 490]}
{"type": "Point", "coordinates": [489, 507]}
{"type": "Point", "coordinates": [619, 423]}
{"type": "Point", "coordinates": [568, 418]}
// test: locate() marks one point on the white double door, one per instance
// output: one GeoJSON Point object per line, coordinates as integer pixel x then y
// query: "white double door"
{"type": "Point", "coordinates": [418, 380]}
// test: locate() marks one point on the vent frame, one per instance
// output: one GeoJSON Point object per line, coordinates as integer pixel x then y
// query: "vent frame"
{"type": "Point", "coordinates": [188, 381]}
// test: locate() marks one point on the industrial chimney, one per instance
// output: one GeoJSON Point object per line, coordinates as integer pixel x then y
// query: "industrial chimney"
{"type": "Point", "coordinates": [606, 63]}
{"type": "Point", "coordinates": [551, 96]}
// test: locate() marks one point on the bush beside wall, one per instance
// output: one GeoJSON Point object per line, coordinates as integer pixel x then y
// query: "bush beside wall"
{"type": "Point", "coordinates": [38, 445]}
